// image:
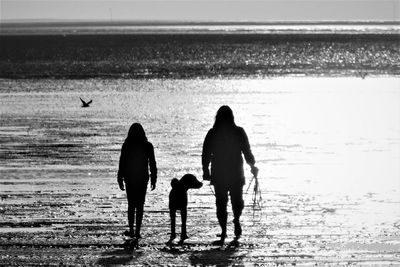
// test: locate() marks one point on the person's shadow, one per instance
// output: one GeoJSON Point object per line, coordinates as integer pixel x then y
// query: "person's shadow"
{"type": "Point", "coordinates": [214, 256]}
{"type": "Point", "coordinates": [121, 256]}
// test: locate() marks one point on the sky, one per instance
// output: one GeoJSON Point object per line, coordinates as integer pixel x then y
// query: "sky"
{"type": "Point", "coordinates": [202, 10]}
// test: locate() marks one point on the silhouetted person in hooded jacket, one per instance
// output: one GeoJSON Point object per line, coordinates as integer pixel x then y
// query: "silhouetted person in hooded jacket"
{"type": "Point", "coordinates": [137, 154]}
{"type": "Point", "coordinates": [223, 147]}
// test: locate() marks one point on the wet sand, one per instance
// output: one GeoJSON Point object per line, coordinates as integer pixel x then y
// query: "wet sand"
{"type": "Point", "coordinates": [329, 179]}
{"type": "Point", "coordinates": [76, 219]}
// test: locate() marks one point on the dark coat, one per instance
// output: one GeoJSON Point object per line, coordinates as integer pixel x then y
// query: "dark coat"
{"type": "Point", "coordinates": [134, 164]}
{"type": "Point", "coordinates": [223, 147]}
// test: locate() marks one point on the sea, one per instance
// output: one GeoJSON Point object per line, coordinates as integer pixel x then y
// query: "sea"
{"type": "Point", "coordinates": [324, 129]}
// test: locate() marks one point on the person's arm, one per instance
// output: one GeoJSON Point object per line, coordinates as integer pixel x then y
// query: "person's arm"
{"type": "Point", "coordinates": [248, 155]}
{"type": "Point", "coordinates": [153, 167]}
{"type": "Point", "coordinates": [206, 156]}
{"type": "Point", "coordinates": [120, 175]}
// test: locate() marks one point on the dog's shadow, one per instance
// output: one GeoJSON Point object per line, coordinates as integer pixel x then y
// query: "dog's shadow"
{"type": "Point", "coordinates": [214, 255]}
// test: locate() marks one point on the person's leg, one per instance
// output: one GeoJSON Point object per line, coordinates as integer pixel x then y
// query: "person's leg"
{"type": "Point", "coordinates": [183, 226]}
{"type": "Point", "coordinates": [131, 211]}
{"type": "Point", "coordinates": [237, 202]}
{"type": "Point", "coordinates": [139, 217]}
{"type": "Point", "coordinates": [131, 219]}
{"type": "Point", "coordinates": [140, 198]}
{"type": "Point", "coordinates": [221, 201]}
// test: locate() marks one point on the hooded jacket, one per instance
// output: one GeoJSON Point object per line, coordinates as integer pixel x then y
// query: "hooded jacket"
{"type": "Point", "coordinates": [134, 163]}
{"type": "Point", "coordinates": [223, 148]}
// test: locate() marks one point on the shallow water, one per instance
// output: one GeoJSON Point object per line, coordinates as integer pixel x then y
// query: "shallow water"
{"type": "Point", "coordinates": [190, 56]}
{"type": "Point", "coordinates": [328, 150]}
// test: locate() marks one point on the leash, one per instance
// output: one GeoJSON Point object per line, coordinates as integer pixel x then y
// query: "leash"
{"type": "Point", "coordinates": [256, 199]}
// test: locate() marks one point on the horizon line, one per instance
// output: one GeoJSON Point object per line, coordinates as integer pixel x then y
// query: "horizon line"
{"type": "Point", "coordinates": [193, 22]}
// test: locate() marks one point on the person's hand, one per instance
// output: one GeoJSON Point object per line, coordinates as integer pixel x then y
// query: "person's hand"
{"type": "Point", "coordinates": [121, 185]}
{"type": "Point", "coordinates": [254, 171]}
{"type": "Point", "coordinates": [153, 186]}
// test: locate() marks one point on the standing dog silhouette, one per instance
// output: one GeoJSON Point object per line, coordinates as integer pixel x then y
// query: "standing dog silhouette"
{"type": "Point", "coordinates": [178, 200]}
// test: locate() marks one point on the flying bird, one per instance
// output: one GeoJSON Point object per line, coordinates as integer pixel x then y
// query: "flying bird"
{"type": "Point", "coordinates": [85, 104]}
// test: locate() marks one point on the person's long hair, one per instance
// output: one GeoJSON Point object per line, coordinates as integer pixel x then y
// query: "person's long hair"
{"type": "Point", "coordinates": [224, 117]}
{"type": "Point", "coordinates": [136, 134]}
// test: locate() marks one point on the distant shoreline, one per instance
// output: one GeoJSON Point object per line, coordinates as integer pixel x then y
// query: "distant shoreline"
{"type": "Point", "coordinates": [191, 27]}
{"type": "Point", "coordinates": [130, 22]}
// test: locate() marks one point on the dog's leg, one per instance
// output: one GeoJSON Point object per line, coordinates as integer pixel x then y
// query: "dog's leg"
{"type": "Point", "coordinates": [172, 215]}
{"type": "Point", "coordinates": [184, 218]}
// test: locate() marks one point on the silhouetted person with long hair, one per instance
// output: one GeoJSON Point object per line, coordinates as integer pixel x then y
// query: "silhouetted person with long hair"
{"type": "Point", "coordinates": [223, 147]}
{"type": "Point", "coordinates": [137, 154]}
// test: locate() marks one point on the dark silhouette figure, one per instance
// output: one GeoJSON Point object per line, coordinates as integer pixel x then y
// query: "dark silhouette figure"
{"type": "Point", "coordinates": [136, 156]}
{"type": "Point", "coordinates": [223, 147]}
{"type": "Point", "coordinates": [85, 104]}
{"type": "Point", "coordinates": [178, 200]}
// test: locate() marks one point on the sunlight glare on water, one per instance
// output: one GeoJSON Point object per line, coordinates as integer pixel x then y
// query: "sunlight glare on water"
{"type": "Point", "coordinates": [329, 141]}
{"type": "Point", "coordinates": [342, 134]}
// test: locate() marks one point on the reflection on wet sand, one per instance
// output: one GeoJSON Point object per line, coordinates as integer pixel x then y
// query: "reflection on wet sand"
{"type": "Point", "coordinates": [327, 149]}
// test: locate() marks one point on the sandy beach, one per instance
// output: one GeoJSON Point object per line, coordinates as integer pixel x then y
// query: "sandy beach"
{"type": "Point", "coordinates": [328, 150]}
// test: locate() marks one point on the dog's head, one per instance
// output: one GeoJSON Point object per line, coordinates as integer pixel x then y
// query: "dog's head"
{"type": "Point", "coordinates": [189, 181]}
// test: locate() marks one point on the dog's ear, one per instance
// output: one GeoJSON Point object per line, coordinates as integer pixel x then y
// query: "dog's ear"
{"type": "Point", "coordinates": [174, 182]}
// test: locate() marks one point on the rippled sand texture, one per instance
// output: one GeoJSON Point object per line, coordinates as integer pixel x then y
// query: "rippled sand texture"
{"type": "Point", "coordinates": [328, 150]}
